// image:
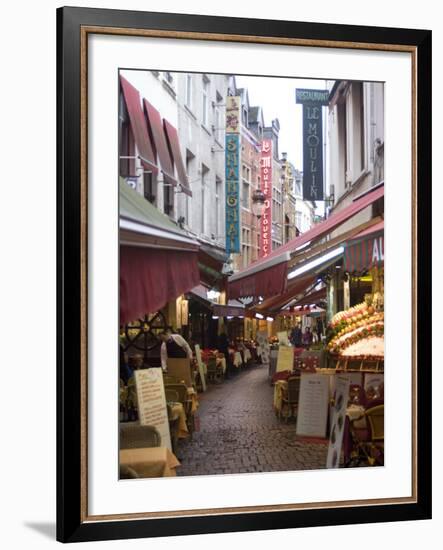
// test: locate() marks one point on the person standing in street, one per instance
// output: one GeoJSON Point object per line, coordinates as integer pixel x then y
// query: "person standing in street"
{"type": "Point", "coordinates": [307, 338]}
{"type": "Point", "coordinates": [173, 346]}
{"type": "Point", "coordinates": [296, 336]}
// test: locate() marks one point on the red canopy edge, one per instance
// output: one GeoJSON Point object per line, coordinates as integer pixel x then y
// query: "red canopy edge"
{"type": "Point", "coordinates": [138, 125]}
{"type": "Point", "coordinates": [150, 278]}
{"type": "Point", "coordinates": [244, 279]}
{"type": "Point", "coordinates": [174, 147]}
{"type": "Point", "coordinates": [269, 282]}
{"type": "Point", "coordinates": [159, 139]}
{"type": "Point", "coordinates": [312, 298]}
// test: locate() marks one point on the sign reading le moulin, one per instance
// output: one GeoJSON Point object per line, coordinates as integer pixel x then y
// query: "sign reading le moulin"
{"type": "Point", "coordinates": [312, 101]}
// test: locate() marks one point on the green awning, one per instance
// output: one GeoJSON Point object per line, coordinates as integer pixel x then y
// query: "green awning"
{"type": "Point", "coordinates": [136, 208]}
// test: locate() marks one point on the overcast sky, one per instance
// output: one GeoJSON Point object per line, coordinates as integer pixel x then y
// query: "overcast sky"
{"type": "Point", "coordinates": [277, 98]}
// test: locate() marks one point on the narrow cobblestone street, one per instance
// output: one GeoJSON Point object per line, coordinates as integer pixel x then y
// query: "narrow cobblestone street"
{"type": "Point", "coordinates": [239, 432]}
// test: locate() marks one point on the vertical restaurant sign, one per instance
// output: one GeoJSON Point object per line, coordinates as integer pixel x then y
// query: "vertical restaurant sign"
{"type": "Point", "coordinates": [312, 101]}
{"type": "Point", "coordinates": [233, 114]}
{"type": "Point", "coordinates": [266, 187]}
{"type": "Point", "coordinates": [232, 177]}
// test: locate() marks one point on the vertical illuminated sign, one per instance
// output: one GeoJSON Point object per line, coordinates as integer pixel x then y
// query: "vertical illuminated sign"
{"type": "Point", "coordinates": [232, 178]}
{"type": "Point", "coordinates": [266, 187]}
{"type": "Point", "coordinates": [312, 101]}
{"type": "Point", "coordinates": [232, 174]}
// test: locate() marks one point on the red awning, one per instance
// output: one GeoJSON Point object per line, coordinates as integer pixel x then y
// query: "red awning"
{"type": "Point", "coordinates": [365, 251]}
{"type": "Point", "coordinates": [174, 148]}
{"type": "Point", "coordinates": [138, 125]}
{"type": "Point", "coordinates": [268, 269]}
{"type": "Point", "coordinates": [267, 282]}
{"type": "Point", "coordinates": [295, 289]}
{"type": "Point", "coordinates": [150, 278]}
{"type": "Point", "coordinates": [159, 141]}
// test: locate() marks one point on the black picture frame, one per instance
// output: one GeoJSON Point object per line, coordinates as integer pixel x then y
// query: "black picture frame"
{"type": "Point", "coordinates": [72, 523]}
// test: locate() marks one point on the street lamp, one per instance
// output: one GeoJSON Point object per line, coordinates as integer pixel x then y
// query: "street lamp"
{"type": "Point", "coordinates": [258, 203]}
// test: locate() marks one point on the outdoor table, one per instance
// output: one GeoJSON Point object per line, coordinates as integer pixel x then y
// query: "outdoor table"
{"type": "Point", "coordinates": [192, 396]}
{"type": "Point", "coordinates": [150, 461]}
{"type": "Point", "coordinates": [237, 361]}
{"type": "Point", "coordinates": [247, 355]}
{"type": "Point", "coordinates": [178, 411]}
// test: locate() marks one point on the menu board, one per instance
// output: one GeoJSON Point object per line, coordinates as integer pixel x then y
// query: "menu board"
{"type": "Point", "coordinates": [152, 410]}
{"type": "Point", "coordinates": [342, 384]}
{"type": "Point", "coordinates": [312, 413]}
{"type": "Point", "coordinates": [285, 358]}
{"type": "Point", "coordinates": [201, 366]}
{"type": "Point", "coordinates": [263, 346]}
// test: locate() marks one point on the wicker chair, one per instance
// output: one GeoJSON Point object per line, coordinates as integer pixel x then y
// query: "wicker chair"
{"type": "Point", "coordinates": [215, 372]}
{"type": "Point", "coordinates": [171, 395]}
{"type": "Point", "coordinates": [134, 436]}
{"type": "Point", "coordinates": [368, 445]}
{"type": "Point", "coordinates": [168, 379]}
{"type": "Point", "coordinates": [292, 395]}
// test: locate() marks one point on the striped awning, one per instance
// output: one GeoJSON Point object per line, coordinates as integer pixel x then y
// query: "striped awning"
{"type": "Point", "coordinates": [365, 251]}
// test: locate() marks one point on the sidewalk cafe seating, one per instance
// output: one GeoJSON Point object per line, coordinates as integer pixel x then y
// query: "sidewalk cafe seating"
{"type": "Point", "coordinates": [183, 398]}
{"type": "Point", "coordinates": [135, 436]}
{"type": "Point", "coordinates": [290, 398]}
{"type": "Point", "coordinates": [368, 442]}
{"type": "Point", "coordinates": [173, 417]}
{"type": "Point", "coordinates": [214, 371]}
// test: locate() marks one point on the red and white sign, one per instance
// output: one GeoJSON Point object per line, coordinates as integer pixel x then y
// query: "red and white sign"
{"type": "Point", "coordinates": [266, 187]}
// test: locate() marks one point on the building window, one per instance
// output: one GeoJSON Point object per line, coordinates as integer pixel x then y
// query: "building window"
{"type": "Point", "coordinates": [204, 198]}
{"type": "Point", "coordinates": [149, 187]}
{"type": "Point", "coordinates": [246, 247]}
{"type": "Point", "coordinates": [245, 116]}
{"type": "Point", "coordinates": [168, 199]}
{"type": "Point", "coordinates": [205, 101]}
{"type": "Point", "coordinates": [188, 97]}
{"type": "Point", "coordinates": [218, 214]}
{"type": "Point", "coordinates": [362, 127]}
{"type": "Point", "coordinates": [246, 182]}
{"type": "Point", "coordinates": [190, 170]}
{"type": "Point", "coordinates": [218, 119]}
{"type": "Point", "coordinates": [127, 143]}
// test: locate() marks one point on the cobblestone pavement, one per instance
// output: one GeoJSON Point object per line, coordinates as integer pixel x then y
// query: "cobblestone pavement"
{"type": "Point", "coordinates": [240, 433]}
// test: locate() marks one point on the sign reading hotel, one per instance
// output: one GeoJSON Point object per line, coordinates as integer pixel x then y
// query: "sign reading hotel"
{"type": "Point", "coordinates": [152, 410]}
{"type": "Point", "coordinates": [312, 101]}
{"type": "Point", "coordinates": [266, 187]}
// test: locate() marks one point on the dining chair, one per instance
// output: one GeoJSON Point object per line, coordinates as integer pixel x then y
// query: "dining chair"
{"type": "Point", "coordinates": [135, 436]}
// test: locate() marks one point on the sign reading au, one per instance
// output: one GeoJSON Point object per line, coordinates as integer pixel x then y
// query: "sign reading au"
{"type": "Point", "coordinates": [232, 171]}
{"type": "Point", "coordinates": [312, 101]}
{"type": "Point", "coordinates": [266, 187]}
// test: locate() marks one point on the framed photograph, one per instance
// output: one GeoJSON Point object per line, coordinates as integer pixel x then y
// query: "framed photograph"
{"type": "Point", "coordinates": [244, 240]}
